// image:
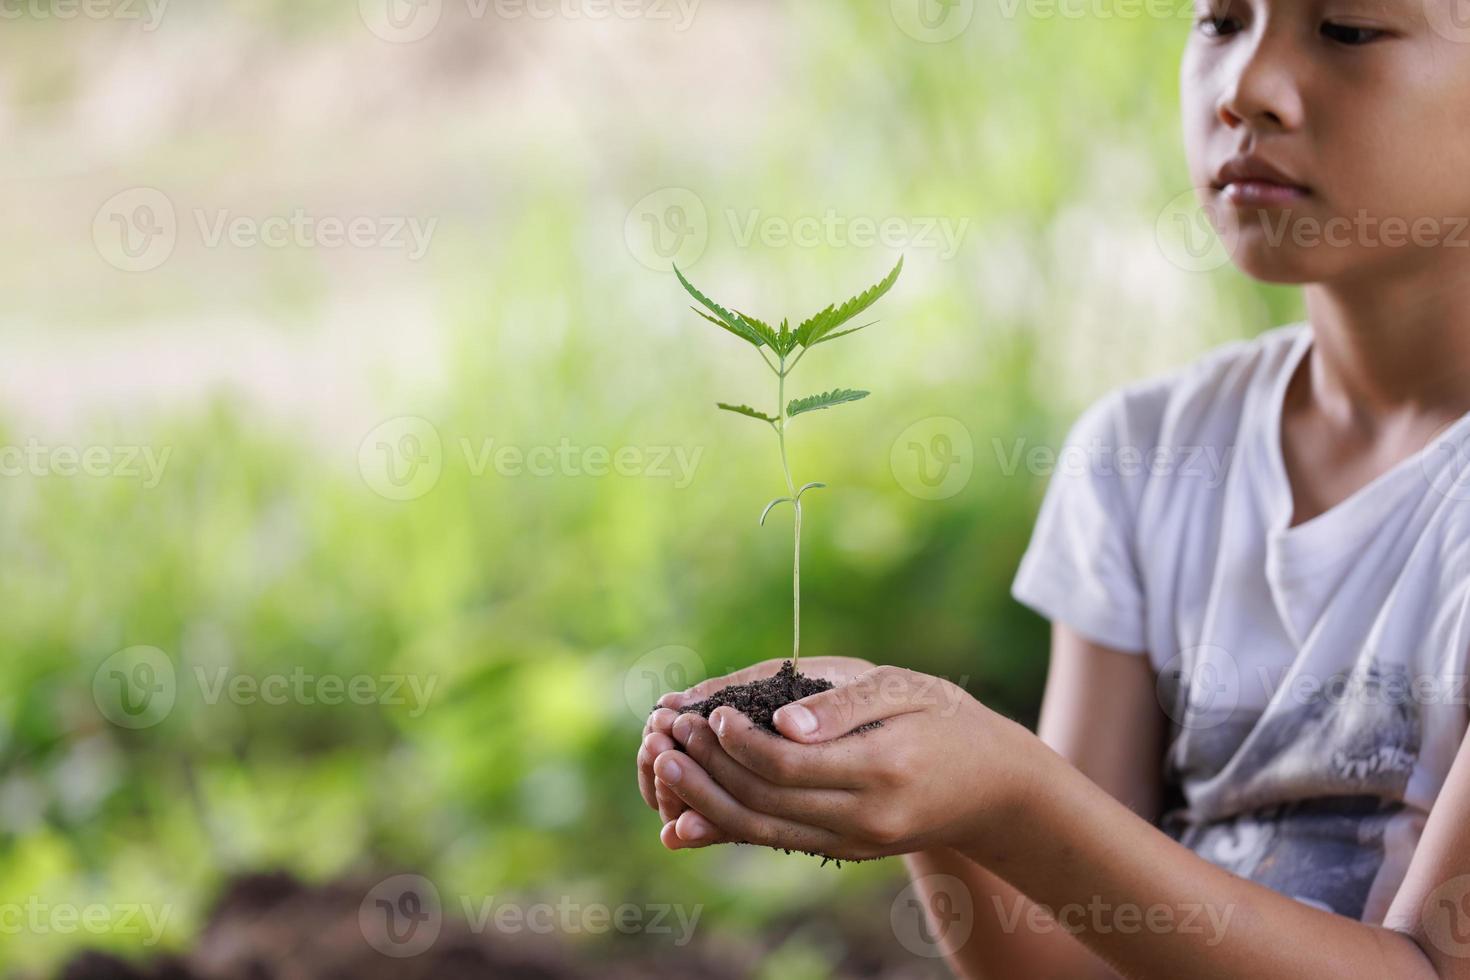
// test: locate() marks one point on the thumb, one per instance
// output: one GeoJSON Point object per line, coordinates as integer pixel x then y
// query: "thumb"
{"type": "Point", "coordinates": [883, 692]}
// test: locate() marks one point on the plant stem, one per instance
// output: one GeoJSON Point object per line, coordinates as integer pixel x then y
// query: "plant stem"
{"type": "Point", "coordinates": [796, 504]}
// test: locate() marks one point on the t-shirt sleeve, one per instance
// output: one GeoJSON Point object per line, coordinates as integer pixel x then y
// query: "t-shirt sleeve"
{"type": "Point", "coordinates": [1080, 568]}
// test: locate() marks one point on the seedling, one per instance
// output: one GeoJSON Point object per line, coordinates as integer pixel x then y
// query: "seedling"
{"type": "Point", "coordinates": [789, 347]}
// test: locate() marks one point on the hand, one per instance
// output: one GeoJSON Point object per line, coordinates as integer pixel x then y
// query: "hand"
{"type": "Point", "coordinates": [943, 770]}
{"type": "Point", "coordinates": [657, 732]}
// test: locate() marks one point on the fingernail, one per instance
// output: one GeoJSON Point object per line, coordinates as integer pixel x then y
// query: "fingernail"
{"type": "Point", "coordinates": [799, 718]}
{"type": "Point", "coordinates": [719, 718]}
{"type": "Point", "coordinates": [670, 772]}
{"type": "Point", "coordinates": [696, 828]}
{"type": "Point", "coordinates": [682, 724]}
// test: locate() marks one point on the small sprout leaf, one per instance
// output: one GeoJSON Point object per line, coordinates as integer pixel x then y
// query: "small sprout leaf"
{"type": "Point", "coordinates": [826, 399]}
{"type": "Point", "coordinates": [747, 411]}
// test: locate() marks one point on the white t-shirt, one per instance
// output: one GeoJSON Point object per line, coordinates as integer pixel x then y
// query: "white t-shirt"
{"type": "Point", "coordinates": [1314, 676]}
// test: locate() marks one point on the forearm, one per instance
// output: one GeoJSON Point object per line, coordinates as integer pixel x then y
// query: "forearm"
{"type": "Point", "coordinates": [993, 944]}
{"type": "Point", "coordinates": [1152, 908]}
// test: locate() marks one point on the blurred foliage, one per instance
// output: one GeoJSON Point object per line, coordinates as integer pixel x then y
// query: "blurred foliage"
{"type": "Point", "coordinates": [527, 601]}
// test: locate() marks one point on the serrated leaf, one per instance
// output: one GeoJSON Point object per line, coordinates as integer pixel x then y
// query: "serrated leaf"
{"type": "Point", "coordinates": [745, 410]}
{"type": "Point", "coordinates": [814, 329]}
{"type": "Point", "coordinates": [765, 330]}
{"type": "Point", "coordinates": [837, 396]}
{"type": "Point", "coordinates": [728, 321]}
{"type": "Point", "coordinates": [841, 333]}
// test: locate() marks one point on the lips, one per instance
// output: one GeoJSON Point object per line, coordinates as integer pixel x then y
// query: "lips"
{"type": "Point", "coordinates": [1255, 180]}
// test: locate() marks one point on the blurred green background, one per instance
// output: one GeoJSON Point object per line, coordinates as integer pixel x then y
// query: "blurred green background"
{"type": "Point", "coordinates": [330, 504]}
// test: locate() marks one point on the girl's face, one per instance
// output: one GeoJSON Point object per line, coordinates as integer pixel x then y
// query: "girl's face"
{"type": "Point", "coordinates": [1358, 114]}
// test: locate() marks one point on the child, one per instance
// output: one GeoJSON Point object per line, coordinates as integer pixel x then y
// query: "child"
{"type": "Point", "coordinates": [1250, 760]}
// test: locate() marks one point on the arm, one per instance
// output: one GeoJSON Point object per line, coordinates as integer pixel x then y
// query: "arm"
{"type": "Point", "coordinates": [1099, 713]}
{"type": "Point", "coordinates": [974, 781]}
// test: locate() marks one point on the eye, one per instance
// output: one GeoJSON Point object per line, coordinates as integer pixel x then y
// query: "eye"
{"type": "Point", "coordinates": [1211, 26]}
{"type": "Point", "coordinates": [1351, 36]}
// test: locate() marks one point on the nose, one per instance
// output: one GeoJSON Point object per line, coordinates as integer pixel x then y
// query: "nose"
{"type": "Point", "coordinates": [1263, 86]}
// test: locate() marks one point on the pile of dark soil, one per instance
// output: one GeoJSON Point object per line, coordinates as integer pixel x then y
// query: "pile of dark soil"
{"type": "Point", "coordinates": [759, 701]}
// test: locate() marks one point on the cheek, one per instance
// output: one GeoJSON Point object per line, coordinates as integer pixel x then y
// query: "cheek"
{"type": "Point", "coordinates": [1197, 102]}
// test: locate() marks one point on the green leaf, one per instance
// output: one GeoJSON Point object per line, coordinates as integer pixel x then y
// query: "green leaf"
{"type": "Point", "coordinates": [841, 333]}
{"type": "Point", "coordinates": [727, 320]}
{"type": "Point", "coordinates": [745, 410]}
{"type": "Point", "coordinates": [766, 332]}
{"type": "Point", "coordinates": [813, 330]}
{"type": "Point", "coordinates": [826, 399]}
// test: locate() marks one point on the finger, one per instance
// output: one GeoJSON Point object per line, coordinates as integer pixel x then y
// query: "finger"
{"type": "Point", "coordinates": [661, 720]}
{"type": "Point", "coordinates": [669, 804]}
{"type": "Point", "coordinates": [829, 808]}
{"type": "Point", "coordinates": [693, 830]}
{"type": "Point", "coordinates": [699, 792]}
{"type": "Point", "coordinates": [841, 764]}
{"type": "Point", "coordinates": [874, 695]}
{"type": "Point", "coordinates": [702, 690]}
{"type": "Point", "coordinates": [653, 743]}
{"type": "Point", "coordinates": [669, 837]}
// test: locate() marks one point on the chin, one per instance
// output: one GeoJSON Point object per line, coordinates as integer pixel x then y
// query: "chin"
{"type": "Point", "coordinates": [1281, 264]}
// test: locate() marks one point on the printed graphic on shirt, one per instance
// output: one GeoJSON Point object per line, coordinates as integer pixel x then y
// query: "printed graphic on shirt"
{"type": "Point", "coordinates": [1297, 797]}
